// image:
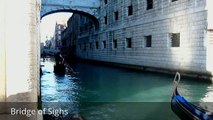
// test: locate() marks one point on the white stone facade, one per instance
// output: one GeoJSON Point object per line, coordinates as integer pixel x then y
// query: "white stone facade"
{"type": "Point", "coordinates": [188, 18]}
{"type": "Point", "coordinates": [20, 55]}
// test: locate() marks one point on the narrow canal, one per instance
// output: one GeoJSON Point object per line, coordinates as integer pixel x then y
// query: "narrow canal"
{"type": "Point", "coordinates": [108, 93]}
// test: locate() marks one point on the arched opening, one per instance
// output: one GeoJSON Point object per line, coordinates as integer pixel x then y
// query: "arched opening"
{"type": "Point", "coordinates": [47, 66]}
{"type": "Point", "coordinates": [95, 20]}
{"type": "Point", "coordinates": [70, 46]}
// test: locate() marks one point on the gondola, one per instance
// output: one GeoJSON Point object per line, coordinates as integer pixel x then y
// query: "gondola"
{"type": "Point", "coordinates": [184, 109]}
{"type": "Point", "coordinates": [59, 69]}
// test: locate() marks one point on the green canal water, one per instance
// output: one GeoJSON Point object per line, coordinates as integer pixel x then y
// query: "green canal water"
{"type": "Point", "coordinates": [108, 93]}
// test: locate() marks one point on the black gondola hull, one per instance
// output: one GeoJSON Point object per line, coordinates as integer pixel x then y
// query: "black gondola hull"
{"type": "Point", "coordinates": [59, 69]}
{"type": "Point", "coordinates": [187, 111]}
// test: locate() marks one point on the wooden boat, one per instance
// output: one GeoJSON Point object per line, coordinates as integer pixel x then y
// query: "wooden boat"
{"type": "Point", "coordinates": [184, 109]}
{"type": "Point", "coordinates": [59, 69]}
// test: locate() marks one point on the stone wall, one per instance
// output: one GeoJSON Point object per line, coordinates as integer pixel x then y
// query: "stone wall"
{"type": "Point", "coordinates": [20, 58]}
{"type": "Point", "coordinates": [2, 52]}
{"type": "Point", "coordinates": [186, 17]}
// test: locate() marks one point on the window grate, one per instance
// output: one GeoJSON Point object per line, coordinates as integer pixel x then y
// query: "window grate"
{"type": "Point", "coordinates": [96, 44]}
{"type": "Point", "coordinates": [130, 10]}
{"type": "Point", "coordinates": [105, 19]}
{"type": "Point", "coordinates": [128, 42]}
{"type": "Point", "coordinates": [116, 15]}
{"type": "Point", "coordinates": [175, 39]}
{"type": "Point", "coordinates": [148, 40]}
{"type": "Point", "coordinates": [115, 44]}
{"type": "Point", "coordinates": [104, 44]}
{"type": "Point", "coordinates": [105, 1]}
{"type": "Point", "coordinates": [149, 4]}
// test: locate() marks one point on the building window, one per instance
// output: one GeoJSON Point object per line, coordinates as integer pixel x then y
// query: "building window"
{"type": "Point", "coordinates": [174, 0]}
{"type": "Point", "coordinates": [115, 44]}
{"type": "Point", "coordinates": [149, 4]}
{"type": "Point", "coordinates": [130, 10]}
{"type": "Point", "coordinates": [90, 25]}
{"type": "Point", "coordinates": [96, 44]}
{"type": "Point", "coordinates": [128, 42]}
{"type": "Point", "coordinates": [81, 29]}
{"type": "Point", "coordinates": [175, 39]}
{"type": "Point", "coordinates": [105, 20]}
{"type": "Point", "coordinates": [148, 41]}
{"type": "Point", "coordinates": [116, 15]}
{"type": "Point", "coordinates": [85, 46]}
{"type": "Point", "coordinates": [80, 47]}
{"type": "Point", "coordinates": [105, 1]}
{"type": "Point", "coordinates": [90, 45]}
{"type": "Point", "coordinates": [85, 27]}
{"type": "Point", "coordinates": [104, 44]}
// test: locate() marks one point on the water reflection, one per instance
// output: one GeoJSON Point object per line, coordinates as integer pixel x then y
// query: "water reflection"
{"type": "Point", "coordinates": [209, 95]}
{"type": "Point", "coordinates": [193, 89]}
{"type": "Point", "coordinates": [207, 100]}
{"type": "Point", "coordinates": [99, 92]}
{"type": "Point", "coordinates": [59, 91]}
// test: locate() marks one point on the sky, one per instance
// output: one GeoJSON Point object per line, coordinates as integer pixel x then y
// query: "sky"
{"type": "Point", "coordinates": [48, 23]}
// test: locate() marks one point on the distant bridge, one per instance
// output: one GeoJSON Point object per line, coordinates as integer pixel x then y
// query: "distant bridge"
{"type": "Point", "coordinates": [87, 7]}
{"type": "Point", "coordinates": [49, 51]}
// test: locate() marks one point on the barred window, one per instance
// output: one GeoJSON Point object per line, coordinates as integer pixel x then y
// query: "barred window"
{"type": "Point", "coordinates": [130, 10]}
{"type": "Point", "coordinates": [149, 4]}
{"type": "Point", "coordinates": [90, 25]}
{"type": "Point", "coordinates": [175, 39]}
{"type": "Point", "coordinates": [128, 42]}
{"type": "Point", "coordinates": [104, 44]}
{"type": "Point", "coordinates": [96, 44]}
{"type": "Point", "coordinates": [148, 41]}
{"type": "Point", "coordinates": [85, 46]}
{"type": "Point", "coordinates": [105, 20]}
{"type": "Point", "coordinates": [105, 1]}
{"type": "Point", "coordinates": [81, 29]}
{"type": "Point", "coordinates": [116, 15]}
{"type": "Point", "coordinates": [90, 45]}
{"type": "Point", "coordinates": [114, 43]}
{"type": "Point", "coordinates": [80, 47]}
{"type": "Point", "coordinates": [85, 27]}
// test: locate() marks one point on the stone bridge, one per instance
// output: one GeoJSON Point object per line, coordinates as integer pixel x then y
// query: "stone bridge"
{"type": "Point", "coordinates": [87, 7]}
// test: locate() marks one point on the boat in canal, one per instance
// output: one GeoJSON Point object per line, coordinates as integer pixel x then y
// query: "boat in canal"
{"type": "Point", "coordinates": [59, 69]}
{"type": "Point", "coordinates": [184, 109]}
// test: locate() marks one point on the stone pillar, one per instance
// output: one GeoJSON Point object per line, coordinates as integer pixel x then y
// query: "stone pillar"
{"type": "Point", "coordinates": [2, 53]}
{"type": "Point", "coordinates": [19, 59]}
{"type": "Point", "coordinates": [21, 54]}
{"type": "Point", "coordinates": [209, 37]}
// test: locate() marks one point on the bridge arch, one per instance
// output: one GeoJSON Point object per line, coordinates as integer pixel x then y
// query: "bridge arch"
{"type": "Point", "coordinates": [89, 8]}
{"type": "Point", "coordinates": [92, 17]}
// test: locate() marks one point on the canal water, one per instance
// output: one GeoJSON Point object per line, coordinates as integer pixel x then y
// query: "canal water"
{"type": "Point", "coordinates": [108, 93]}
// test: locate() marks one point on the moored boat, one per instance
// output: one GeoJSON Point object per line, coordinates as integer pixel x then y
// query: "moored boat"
{"type": "Point", "coordinates": [59, 69]}
{"type": "Point", "coordinates": [184, 109]}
